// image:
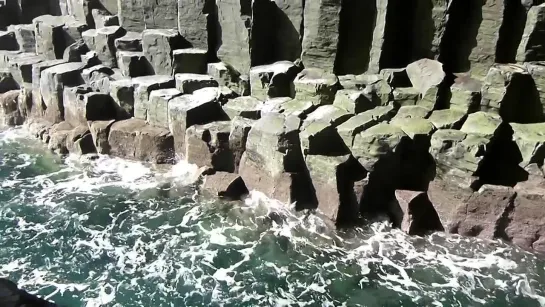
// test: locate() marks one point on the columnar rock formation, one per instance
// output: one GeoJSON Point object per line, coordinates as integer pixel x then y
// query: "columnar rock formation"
{"type": "Point", "coordinates": [428, 112]}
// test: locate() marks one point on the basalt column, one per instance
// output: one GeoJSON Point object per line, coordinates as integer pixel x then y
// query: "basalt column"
{"type": "Point", "coordinates": [137, 15]}
{"type": "Point", "coordinates": [357, 21]}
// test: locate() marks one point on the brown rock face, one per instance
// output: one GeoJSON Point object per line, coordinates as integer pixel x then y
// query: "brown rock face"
{"type": "Point", "coordinates": [226, 185]}
{"type": "Point", "coordinates": [414, 213]}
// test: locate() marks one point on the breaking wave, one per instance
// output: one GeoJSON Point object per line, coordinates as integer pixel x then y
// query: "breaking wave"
{"type": "Point", "coordinates": [103, 231]}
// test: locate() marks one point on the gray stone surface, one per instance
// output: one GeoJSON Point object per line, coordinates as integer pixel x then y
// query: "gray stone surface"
{"type": "Point", "coordinates": [82, 105]}
{"type": "Point", "coordinates": [158, 106]}
{"type": "Point", "coordinates": [134, 139]}
{"type": "Point", "coordinates": [131, 41]}
{"type": "Point", "coordinates": [25, 36]}
{"type": "Point", "coordinates": [194, 18]}
{"type": "Point", "coordinates": [158, 46]}
{"type": "Point", "coordinates": [247, 107]}
{"type": "Point", "coordinates": [317, 86]}
{"type": "Point", "coordinates": [234, 21]}
{"type": "Point", "coordinates": [201, 107]}
{"type": "Point", "coordinates": [104, 44]}
{"type": "Point", "coordinates": [274, 80]}
{"type": "Point", "coordinates": [143, 86]}
{"type": "Point", "coordinates": [321, 18]}
{"type": "Point", "coordinates": [137, 15]}
{"type": "Point", "coordinates": [133, 64]}
{"type": "Point", "coordinates": [189, 83]}
{"type": "Point", "coordinates": [52, 82]}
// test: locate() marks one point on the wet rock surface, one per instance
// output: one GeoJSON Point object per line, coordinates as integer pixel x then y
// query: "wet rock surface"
{"type": "Point", "coordinates": [430, 114]}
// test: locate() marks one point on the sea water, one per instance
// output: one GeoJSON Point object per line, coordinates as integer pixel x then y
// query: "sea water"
{"type": "Point", "coordinates": [113, 232]}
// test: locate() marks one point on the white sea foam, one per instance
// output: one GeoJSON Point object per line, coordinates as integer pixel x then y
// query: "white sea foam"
{"type": "Point", "coordinates": [118, 233]}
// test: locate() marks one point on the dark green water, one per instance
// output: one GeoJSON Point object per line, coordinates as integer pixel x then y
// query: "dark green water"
{"type": "Point", "coordinates": [110, 232]}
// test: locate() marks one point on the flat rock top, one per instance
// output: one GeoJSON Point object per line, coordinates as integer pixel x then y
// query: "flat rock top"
{"type": "Point", "coordinates": [245, 103]}
{"type": "Point", "coordinates": [316, 76]}
{"type": "Point", "coordinates": [188, 102]}
{"type": "Point", "coordinates": [383, 129]}
{"type": "Point", "coordinates": [329, 114]}
{"type": "Point", "coordinates": [277, 124]}
{"type": "Point", "coordinates": [130, 36]}
{"type": "Point", "coordinates": [150, 80]}
{"type": "Point", "coordinates": [165, 93]}
{"type": "Point", "coordinates": [130, 53]}
{"type": "Point", "coordinates": [449, 135]}
{"type": "Point", "coordinates": [108, 30]}
{"type": "Point", "coordinates": [65, 68]}
{"type": "Point", "coordinates": [160, 32]}
{"type": "Point", "coordinates": [412, 112]}
{"type": "Point", "coordinates": [193, 77]}
{"type": "Point", "coordinates": [482, 123]}
{"type": "Point", "coordinates": [529, 132]}
{"type": "Point", "coordinates": [414, 126]}
{"type": "Point", "coordinates": [128, 125]}
{"type": "Point", "coordinates": [29, 27]}
{"type": "Point", "coordinates": [54, 20]}
{"type": "Point", "coordinates": [275, 68]}
{"type": "Point", "coordinates": [190, 51]}
{"type": "Point", "coordinates": [90, 33]}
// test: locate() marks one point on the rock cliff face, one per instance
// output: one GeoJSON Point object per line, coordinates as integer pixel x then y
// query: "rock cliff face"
{"type": "Point", "coordinates": [428, 112]}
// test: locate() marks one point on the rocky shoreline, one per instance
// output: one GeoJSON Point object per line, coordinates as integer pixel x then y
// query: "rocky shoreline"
{"type": "Point", "coordinates": [350, 108]}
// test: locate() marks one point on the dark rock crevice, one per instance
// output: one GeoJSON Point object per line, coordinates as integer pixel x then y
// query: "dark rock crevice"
{"type": "Point", "coordinates": [510, 32]}
{"type": "Point", "coordinates": [398, 34]}
{"type": "Point", "coordinates": [460, 35]}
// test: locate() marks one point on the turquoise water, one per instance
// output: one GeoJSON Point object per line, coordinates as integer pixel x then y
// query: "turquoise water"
{"type": "Point", "coordinates": [110, 232]}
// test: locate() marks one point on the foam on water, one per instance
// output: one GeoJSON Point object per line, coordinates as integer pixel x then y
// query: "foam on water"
{"type": "Point", "coordinates": [112, 232]}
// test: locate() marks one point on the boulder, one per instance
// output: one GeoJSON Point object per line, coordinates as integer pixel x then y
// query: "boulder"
{"type": "Point", "coordinates": [122, 91]}
{"type": "Point", "coordinates": [537, 71]}
{"type": "Point", "coordinates": [425, 74]}
{"type": "Point", "coordinates": [363, 121]}
{"type": "Point", "coordinates": [465, 94]}
{"type": "Point", "coordinates": [90, 59]}
{"type": "Point", "coordinates": [354, 101]}
{"type": "Point", "coordinates": [447, 119]}
{"type": "Point", "coordinates": [484, 214]}
{"type": "Point", "coordinates": [454, 149]}
{"type": "Point", "coordinates": [25, 36]}
{"type": "Point", "coordinates": [158, 106]}
{"type": "Point", "coordinates": [104, 44]}
{"type": "Point", "coordinates": [134, 139]}
{"type": "Point", "coordinates": [143, 86]}
{"type": "Point", "coordinates": [396, 77]}
{"type": "Point", "coordinates": [190, 60]}
{"type": "Point", "coordinates": [201, 107]}
{"type": "Point", "coordinates": [317, 86]}
{"type": "Point", "coordinates": [158, 46]}
{"type": "Point", "coordinates": [224, 74]}
{"type": "Point", "coordinates": [415, 128]}
{"type": "Point", "coordinates": [137, 15]}
{"type": "Point", "coordinates": [321, 35]}
{"type": "Point", "coordinates": [247, 107]}
{"type": "Point", "coordinates": [75, 51]}
{"type": "Point", "coordinates": [296, 107]}
{"type": "Point", "coordinates": [274, 80]}
{"type": "Point", "coordinates": [131, 41]}
{"type": "Point", "coordinates": [55, 33]}
{"type": "Point", "coordinates": [82, 105]}
{"type": "Point", "coordinates": [80, 141]}
{"type": "Point", "coordinates": [318, 134]}
{"type": "Point", "coordinates": [52, 82]}
{"type": "Point", "coordinates": [405, 96]}
{"type": "Point", "coordinates": [38, 105]}
{"type": "Point", "coordinates": [501, 92]}
{"type": "Point", "coordinates": [372, 144]}
{"type": "Point", "coordinates": [21, 68]}
{"type": "Point", "coordinates": [274, 105]}
{"type": "Point", "coordinates": [89, 37]}
{"type": "Point", "coordinates": [225, 185]}
{"type": "Point", "coordinates": [412, 112]}
{"type": "Point", "coordinates": [189, 83]}
{"type": "Point", "coordinates": [334, 179]}
{"type": "Point", "coordinates": [530, 140]}
{"type": "Point", "coordinates": [133, 64]}
{"type": "Point", "coordinates": [10, 114]}
{"type": "Point", "coordinates": [58, 137]}
{"type": "Point", "coordinates": [273, 163]}
{"type": "Point", "coordinates": [208, 145]}
{"type": "Point", "coordinates": [448, 193]}
{"type": "Point", "coordinates": [240, 128]}
{"type": "Point", "coordinates": [414, 213]}
{"type": "Point", "coordinates": [482, 123]}
{"type": "Point", "coordinates": [100, 131]}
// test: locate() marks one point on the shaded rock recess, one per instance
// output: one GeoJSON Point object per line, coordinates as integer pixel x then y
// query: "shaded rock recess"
{"type": "Point", "coordinates": [428, 113]}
